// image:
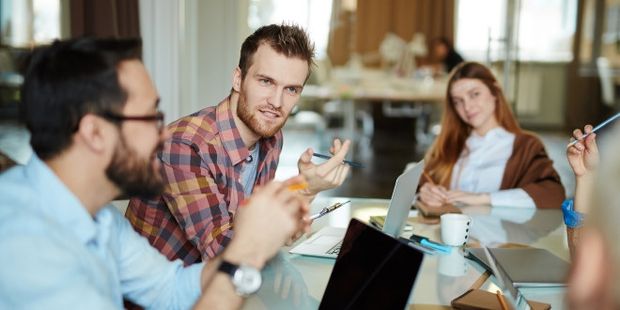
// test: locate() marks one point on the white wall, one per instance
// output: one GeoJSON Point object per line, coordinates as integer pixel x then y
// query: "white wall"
{"type": "Point", "coordinates": [160, 29]}
{"type": "Point", "coordinates": [191, 48]}
{"type": "Point", "coordinates": [222, 27]}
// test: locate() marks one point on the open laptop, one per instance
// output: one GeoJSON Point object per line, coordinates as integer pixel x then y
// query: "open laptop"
{"type": "Point", "coordinates": [372, 271]}
{"type": "Point", "coordinates": [327, 241]}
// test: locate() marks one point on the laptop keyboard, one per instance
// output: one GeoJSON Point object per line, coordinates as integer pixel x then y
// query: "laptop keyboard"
{"type": "Point", "coordinates": [335, 249]}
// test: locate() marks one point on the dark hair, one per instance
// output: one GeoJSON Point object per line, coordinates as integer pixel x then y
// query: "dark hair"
{"type": "Point", "coordinates": [445, 42]}
{"type": "Point", "coordinates": [67, 80]}
{"type": "Point", "coordinates": [290, 40]}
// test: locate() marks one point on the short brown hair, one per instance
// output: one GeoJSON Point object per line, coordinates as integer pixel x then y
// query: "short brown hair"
{"type": "Point", "coordinates": [290, 40]}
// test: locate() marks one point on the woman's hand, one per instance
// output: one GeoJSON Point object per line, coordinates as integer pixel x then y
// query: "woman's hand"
{"type": "Point", "coordinates": [433, 195]}
{"type": "Point", "coordinates": [468, 198]}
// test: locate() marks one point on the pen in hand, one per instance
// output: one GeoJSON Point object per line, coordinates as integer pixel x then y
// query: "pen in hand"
{"type": "Point", "coordinates": [348, 162]}
{"type": "Point", "coordinates": [328, 209]}
{"type": "Point", "coordinates": [601, 125]}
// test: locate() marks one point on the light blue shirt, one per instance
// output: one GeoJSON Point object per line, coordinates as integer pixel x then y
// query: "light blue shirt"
{"type": "Point", "coordinates": [480, 169]}
{"type": "Point", "coordinates": [55, 255]}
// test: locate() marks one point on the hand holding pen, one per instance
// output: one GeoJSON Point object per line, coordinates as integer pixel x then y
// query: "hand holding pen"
{"type": "Point", "coordinates": [348, 162]}
{"type": "Point", "coordinates": [601, 125]}
{"type": "Point", "coordinates": [583, 157]}
{"type": "Point", "coordinates": [327, 175]}
{"type": "Point", "coordinates": [329, 209]}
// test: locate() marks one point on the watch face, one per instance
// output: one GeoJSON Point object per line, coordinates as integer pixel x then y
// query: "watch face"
{"type": "Point", "coordinates": [247, 280]}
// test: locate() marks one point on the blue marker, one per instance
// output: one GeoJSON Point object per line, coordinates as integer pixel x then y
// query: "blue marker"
{"type": "Point", "coordinates": [436, 246]}
{"type": "Point", "coordinates": [430, 244]}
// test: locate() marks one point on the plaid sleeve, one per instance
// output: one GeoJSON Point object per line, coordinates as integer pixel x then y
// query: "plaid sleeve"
{"type": "Point", "coordinates": [194, 200]}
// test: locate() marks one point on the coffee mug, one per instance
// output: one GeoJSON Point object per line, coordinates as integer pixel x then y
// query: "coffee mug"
{"type": "Point", "coordinates": [455, 229]}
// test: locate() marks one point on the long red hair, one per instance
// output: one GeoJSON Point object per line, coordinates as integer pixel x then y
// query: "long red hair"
{"type": "Point", "coordinates": [445, 151]}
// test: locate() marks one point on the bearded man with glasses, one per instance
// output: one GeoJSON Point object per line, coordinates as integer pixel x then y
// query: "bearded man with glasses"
{"type": "Point", "coordinates": [92, 111]}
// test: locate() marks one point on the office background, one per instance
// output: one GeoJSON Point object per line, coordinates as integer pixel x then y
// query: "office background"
{"type": "Point", "coordinates": [557, 61]}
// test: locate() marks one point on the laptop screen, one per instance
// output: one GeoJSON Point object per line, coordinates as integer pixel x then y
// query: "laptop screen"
{"type": "Point", "coordinates": [373, 270]}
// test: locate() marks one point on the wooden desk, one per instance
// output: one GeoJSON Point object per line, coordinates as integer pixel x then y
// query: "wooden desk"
{"type": "Point", "coordinates": [374, 86]}
{"type": "Point", "coordinates": [298, 282]}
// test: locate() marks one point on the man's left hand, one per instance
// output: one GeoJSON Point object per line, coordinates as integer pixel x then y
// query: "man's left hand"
{"type": "Point", "coordinates": [327, 175]}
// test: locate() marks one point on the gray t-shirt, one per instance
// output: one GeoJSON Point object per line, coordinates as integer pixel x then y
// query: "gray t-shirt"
{"type": "Point", "coordinates": [249, 170]}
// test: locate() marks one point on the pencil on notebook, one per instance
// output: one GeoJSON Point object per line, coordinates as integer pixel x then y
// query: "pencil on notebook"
{"type": "Point", "coordinates": [502, 303]}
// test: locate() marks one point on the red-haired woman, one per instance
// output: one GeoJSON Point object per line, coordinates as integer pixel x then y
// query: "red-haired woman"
{"type": "Point", "coordinates": [481, 156]}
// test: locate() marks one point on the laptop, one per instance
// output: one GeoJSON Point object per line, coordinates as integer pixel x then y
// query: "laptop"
{"type": "Point", "coordinates": [328, 240]}
{"type": "Point", "coordinates": [373, 271]}
{"type": "Point", "coordinates": [543, 269]}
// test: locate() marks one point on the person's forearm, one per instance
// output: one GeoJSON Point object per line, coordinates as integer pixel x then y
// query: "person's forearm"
{"type": "Point", "coordinates": [573, 235]}
{"type": "Point", "coordinates": [208, 273]}
{"type": "Point", "coordinates": [307, 195]}
{"type": "Point", "coordinates": [309, 198]}
{"type": "Point", "coordinates": [584, 187]}
{"type": "Point", "coordinates": [219, 293]}
{"type": "Point", "coordinates": [217, 287]}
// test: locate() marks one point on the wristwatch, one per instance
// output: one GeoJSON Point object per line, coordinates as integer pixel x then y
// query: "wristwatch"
{"type": "Point", "coordinates": [246, 279]}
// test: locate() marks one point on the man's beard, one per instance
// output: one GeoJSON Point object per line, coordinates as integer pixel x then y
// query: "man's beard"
{"type": "Point", "coordinates": [248, 117]}
{"type": "Point", "coordinates": [135, 177]}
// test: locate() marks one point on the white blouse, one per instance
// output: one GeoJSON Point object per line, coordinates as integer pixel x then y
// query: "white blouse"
{"type": "Point", "coordinates": [480, 169]}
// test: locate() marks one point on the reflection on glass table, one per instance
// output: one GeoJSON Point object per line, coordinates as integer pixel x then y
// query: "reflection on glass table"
{"type": "Point", "coordinates": [296, 281]}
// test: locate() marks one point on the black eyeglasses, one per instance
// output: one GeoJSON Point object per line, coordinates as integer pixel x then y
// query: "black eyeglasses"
{"type": "Point", "coordinates": [157, 117]}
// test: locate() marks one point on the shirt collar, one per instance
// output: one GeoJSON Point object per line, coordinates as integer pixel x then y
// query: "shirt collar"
{"type": "Point", "coordinates": [60, 203]}
{"type": "Point", "coordinates": [231, 137]}
{"type": "Point", "coordinates": [493, 134]}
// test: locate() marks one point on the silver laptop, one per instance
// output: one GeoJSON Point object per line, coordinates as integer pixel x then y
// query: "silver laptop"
{"type": "Point", "coordinates": [327, 241]}
{"type": "Point", "coordinates": [543, 269]}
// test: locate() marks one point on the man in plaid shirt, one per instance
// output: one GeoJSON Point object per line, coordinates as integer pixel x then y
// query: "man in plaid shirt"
{"type": "Point", "coordinates": [217, 155]}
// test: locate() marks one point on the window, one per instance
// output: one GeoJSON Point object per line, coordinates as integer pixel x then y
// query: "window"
{"type": "Point", "coordinates": [544, 29]}
{"type": "Point", "coordinates": [312, 15]}
{"type": "Point", "coordinates": [30, 22]}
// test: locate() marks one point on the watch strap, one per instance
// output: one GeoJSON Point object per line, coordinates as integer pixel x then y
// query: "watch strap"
{"type": "Point", "coordinates": [228, 268]}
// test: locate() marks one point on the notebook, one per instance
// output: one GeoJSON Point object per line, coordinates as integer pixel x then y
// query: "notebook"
{"type": "Point", "coordinates": [326, 242]}
{"type": "Point", "coordinates": [527, 267]}
{"type": "Point", "coordinates": [378, 221]}
{"type": "Point", "coordinates": [373, 271]}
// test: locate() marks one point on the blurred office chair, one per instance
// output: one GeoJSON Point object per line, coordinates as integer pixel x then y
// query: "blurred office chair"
{"type": "Point", "coordinates": [607, 82]}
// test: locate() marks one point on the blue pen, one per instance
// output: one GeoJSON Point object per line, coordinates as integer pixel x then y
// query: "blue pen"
{"type": "Point", "coordinates": [601, 125]}
{"type": "Point", "coordinates": [348, 162]}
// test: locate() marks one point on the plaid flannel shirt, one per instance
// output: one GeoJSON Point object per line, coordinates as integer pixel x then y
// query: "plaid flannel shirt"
{"type": "Point", "coordinates": [202, 163]}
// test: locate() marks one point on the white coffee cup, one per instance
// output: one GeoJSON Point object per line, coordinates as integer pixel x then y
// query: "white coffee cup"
{"type": "Point", "coordinates": [455, 229]}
